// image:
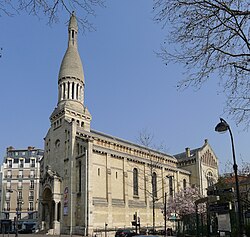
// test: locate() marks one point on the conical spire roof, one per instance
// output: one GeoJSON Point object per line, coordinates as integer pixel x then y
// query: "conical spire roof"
{"type": "Point", "coordinates": [71, 65]}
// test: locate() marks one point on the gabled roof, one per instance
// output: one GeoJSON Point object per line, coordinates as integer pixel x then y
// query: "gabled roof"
{"type": "Point", "coordinates": [183, 155]}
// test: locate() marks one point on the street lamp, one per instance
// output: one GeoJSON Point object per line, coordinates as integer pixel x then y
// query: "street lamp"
{"type": "Point", "coordinates": [223, 126]}
{"type": "Point", "coordinates": [11, 191]}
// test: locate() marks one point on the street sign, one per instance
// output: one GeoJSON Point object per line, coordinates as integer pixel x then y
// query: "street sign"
{"type": "Point", "coordinates": [224, 223]}
{"type": "Point", "coordinates": [220, 207]}
{"type": "Point", "coordinates": [217, 192]}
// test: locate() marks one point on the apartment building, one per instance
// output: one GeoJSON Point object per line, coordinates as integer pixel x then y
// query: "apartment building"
{"type": "Point", "coordinates": [20, 174]}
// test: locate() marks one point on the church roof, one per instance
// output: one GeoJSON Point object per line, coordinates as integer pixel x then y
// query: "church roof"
{"type": "Point", "coordinates": [71, 65]}
{"type": "Point", "coordinates": [184, 154]}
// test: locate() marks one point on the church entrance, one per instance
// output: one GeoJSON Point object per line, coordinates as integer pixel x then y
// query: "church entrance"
{"type": "Point", "coordinates": [48, 210]}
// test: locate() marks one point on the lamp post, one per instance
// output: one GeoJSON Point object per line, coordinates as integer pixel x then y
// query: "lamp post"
{"type": "Point", "coordinates": [11, 191]}
{"type": "Point", "coordinates": [223, 126]}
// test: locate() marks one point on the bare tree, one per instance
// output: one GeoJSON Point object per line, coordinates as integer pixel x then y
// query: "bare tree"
{"type": "Point", "coordinates": [53, 9]}
{"type": "Point", "coordinates": [210, 37]}
{"type": "Point", "coordinates": [146, 139]}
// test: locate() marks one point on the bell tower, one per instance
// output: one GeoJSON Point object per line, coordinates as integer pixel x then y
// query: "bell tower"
{"type": "Point", "coordinates": [71, 84]}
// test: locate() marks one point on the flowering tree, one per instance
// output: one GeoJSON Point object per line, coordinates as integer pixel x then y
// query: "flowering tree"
{"type": "Point", "coordinates": [183, 203]}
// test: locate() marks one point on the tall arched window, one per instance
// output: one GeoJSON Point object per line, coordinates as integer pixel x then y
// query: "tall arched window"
{"type": "Point", "coordinates": [210, 179]}
{"type": "Point", "coordinates": [184, 184]}
{"type": "Point", "coordinates": [171, 185]}
{"type": "Point", "coordinates": [154, 184]}
{"type": "Point", "coordinates": [135, 182]}
{"type": "Point", "coordinates": [80, 177]}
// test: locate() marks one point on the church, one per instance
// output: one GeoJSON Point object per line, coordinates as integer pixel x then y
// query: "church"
{"type": "Point", "coordinates": [92, 181]}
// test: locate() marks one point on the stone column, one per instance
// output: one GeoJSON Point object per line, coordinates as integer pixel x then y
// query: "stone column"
{"type": "Point", "coordinates": [70, 90]}
{"type": "Point", "coordinates": [56, 211]}
{"type": "Point", "coordinates": [75, 85]}
{"type": "Point", "coordinates": [61, 93]}
{"type": "Point", "coordinates": [109, 190]}
{"type": "Point", "coordinates": [56, 222]}
{"type": "Point", "coordinates": [66, 90]}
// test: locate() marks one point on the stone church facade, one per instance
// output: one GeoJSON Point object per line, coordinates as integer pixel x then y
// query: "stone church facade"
{"type": "Point", "coordinates": [91, 180]}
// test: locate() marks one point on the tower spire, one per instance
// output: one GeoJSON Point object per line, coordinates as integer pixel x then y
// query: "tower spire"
{"type": "Point", "coordinates": [71, 76]}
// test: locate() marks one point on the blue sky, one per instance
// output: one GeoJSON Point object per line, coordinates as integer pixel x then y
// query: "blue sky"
{"type": "Point", "coordinates": [128, 89]}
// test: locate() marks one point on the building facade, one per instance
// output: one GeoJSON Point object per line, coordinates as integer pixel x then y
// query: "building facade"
{"type": "Point", "coordinates": [20, 173]}
{"type": "Point", "coordinates": [202, 164]}
{"type": "Point", "coordinates": [91, 180]}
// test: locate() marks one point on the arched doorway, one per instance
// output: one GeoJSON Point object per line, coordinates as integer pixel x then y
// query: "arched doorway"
{"type": "Point", "coordinates": [48, 207]}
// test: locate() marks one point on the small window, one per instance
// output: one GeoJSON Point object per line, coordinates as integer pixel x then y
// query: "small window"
{"type": "Point", "coordinates": [21, 162]}
{"type": "Point", "coordinates": [31, 206]}
{"type": "Point", "coordinates": [9, 163]}
{"type": "Point", "coordinates": [33, 162]}
{"type": "Point", "coordinates": [32, 184]}
{"type": "Point", "coordinates": [98, 172]}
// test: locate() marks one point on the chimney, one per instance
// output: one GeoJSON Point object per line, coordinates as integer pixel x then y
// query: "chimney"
{"type": "Point", "coordinates": [206, 141]}
{"type": "Point", "coordinates": [187, 152]}
{"type": "Point", "coordinates": [10, 148]}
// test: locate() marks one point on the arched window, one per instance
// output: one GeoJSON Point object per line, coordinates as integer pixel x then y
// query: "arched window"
{"type": "Point", "coordinates": [184, 184]}
{"type": "Point", "coordinates": [154, 184]}
{"type": "Point", "coordinates": [80, 177]}
{"type": "Point", "coordinates": [171, 185]}
{"type": "Point", "coordinates": [210, 179]}
{"type": "Point", "coordinates": [135, 182]}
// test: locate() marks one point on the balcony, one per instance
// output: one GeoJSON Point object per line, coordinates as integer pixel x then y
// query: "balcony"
{"type": "Point", "coordinates": [30, 209]}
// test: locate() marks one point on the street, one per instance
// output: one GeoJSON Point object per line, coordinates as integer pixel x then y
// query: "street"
{"type": "Point", "coordinates": [36, 235]}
